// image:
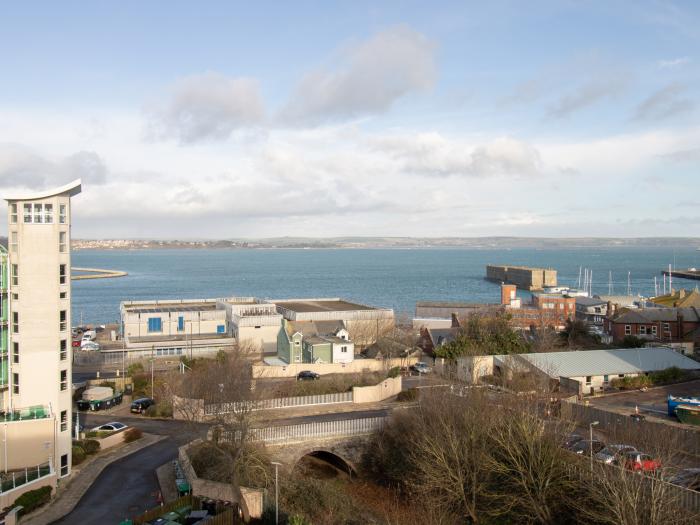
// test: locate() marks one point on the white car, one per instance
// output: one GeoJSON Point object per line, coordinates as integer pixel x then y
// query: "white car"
{"type": "Point", "coordinates": [109, 427]}
{"type": "Point", "coordinates": [422, 368]}
{"type": "Point", "coordinates": [89, 345]}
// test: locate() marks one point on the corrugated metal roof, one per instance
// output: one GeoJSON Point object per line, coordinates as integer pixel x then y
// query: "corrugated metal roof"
{"type": "Point", "coordinates": [609, 362]}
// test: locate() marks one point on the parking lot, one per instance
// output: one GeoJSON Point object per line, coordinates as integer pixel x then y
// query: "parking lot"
{"type": "Point", "coordinates": [651, 403]}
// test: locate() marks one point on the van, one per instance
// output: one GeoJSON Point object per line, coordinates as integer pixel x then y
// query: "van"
{"type": "Point", "coordinates": [89, 335]}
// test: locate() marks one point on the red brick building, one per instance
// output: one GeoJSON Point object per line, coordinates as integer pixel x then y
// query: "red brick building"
{"type": "Point", "coordinates": [671, 325]}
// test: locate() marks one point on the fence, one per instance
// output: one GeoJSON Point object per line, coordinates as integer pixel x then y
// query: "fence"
{"type": "Point", "coordinates": [323, 429]}
{"type": "Point", "coordinates": [224, 516]}
{"type": "Point", "coordinates": [283, 402]}
{"type": "Point", "coordinates": [687, 440]}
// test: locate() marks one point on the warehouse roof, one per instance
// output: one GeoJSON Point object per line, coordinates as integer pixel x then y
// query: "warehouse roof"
{"type": "Point", "coordinates": [608, 362]}
{"type": "Point", "coordinates": [321, 305]}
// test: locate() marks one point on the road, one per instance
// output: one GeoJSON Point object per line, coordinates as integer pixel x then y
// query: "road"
{"type": "Point", "coordinates": [128, 487]}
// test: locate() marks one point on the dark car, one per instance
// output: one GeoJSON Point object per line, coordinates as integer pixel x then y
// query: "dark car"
{"type": "Point", "coordinates": [585, 445]}
{"type": "Point", "coordinates": [139, 406]}
{"type": "Point", "coordinates": [637, 418]}
{"type": "Point", "coordinates": [308, 375]}
{"type": "Point", "coordinates": [688, 478]}
{"type": "Point", "coordinates": [570, 440]}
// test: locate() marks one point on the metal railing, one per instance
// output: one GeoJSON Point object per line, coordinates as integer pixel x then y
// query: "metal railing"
{"type": "Point", "coordinates": [322, 429]}
{"type": "Point", "coordinates": [216, 409]}
{"type": "Point", "coordinates": [24, 414]}
{"type": "Point", "coordinates": [11, 480]}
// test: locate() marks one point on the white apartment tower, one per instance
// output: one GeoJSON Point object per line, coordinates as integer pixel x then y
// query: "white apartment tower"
{"type": "Point", "coordinates": [40, 312]}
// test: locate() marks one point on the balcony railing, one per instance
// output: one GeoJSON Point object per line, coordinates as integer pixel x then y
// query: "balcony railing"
{"type": "Point", "coordinates": [11, 480]}
{"type": "Point", "coordinates": [25, 414]}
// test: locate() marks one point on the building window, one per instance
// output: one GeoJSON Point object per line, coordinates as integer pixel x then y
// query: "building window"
{"type": "Point", "coordinates": [15, 352]}
{"type": "Point", "coordinates": [15, 322]}
{"type": "Point", "coordinates": [64, 420]}
{"type": "Point", "coordinates": [13, 242]}
{"type": "Point", "coordinates": [180, 324]}
{"type": "Point", "coordinates": [62, 321]}
{"type": "Point", "coordinates": [62, 213]}
{"type": "Point", "coordinates": [155, 324]}
{"type": "Point", "coordinates": [48, 213]}
{"type": "Point", "coordinates": [628, 329]}
{"type": "Point", "coordinates": [344, 349]}
{"type": "Point", "coordinates": [14, 273]}
{"type": "Point", "coordinates": [15, 297]}
{"type": "Point", "coordinates": [62, 242]}
{"type": "Point", "coordinates": [596, 309]}
{"type": "Point", "coordinates": [64, 379]}
{"type": "Point", "coordinates": [667, 328]}
{"type": "Point", "coordinates": [605, 378]}
{"type": "Point", "coordinates": [27, 213]}
{"type": "Point", "coordinates": [13, 213]}
{"type": "Point", "coordinates": [221, 329]}
{"type": "Point", "coordinates": [588, 380]}
{"type": "Point", "coordinates": [63, 295]}
{"type": "Point", "coordinates": [15, 383]}
{"type": "Point", "coordinates": [64, 465]}
{"type": "Point", "coordinates": [63, 349]}
{"type": "Point", "coordinates": [654, 330]}
{"type": "Point", "coordinates": [38, 213]}
{"type": "Point", "coordinates": [643, 330]}
{"type": "Point", "coordinates": [620, 375]}
{"type": "Point", "coordinates": [61, 274]}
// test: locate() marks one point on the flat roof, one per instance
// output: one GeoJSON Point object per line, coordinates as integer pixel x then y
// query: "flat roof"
{"type": "Point", "coordinates": [445, 304]}
{"type": "Point", "coordinates": [581, 363]}
{"type": "Point", "coordinates": [165, 308]}
{"type": "Point", "coordinates": [322, 305]}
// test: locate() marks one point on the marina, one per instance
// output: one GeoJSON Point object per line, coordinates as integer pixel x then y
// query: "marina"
{"type": "Point", "coordinates": [690, 273]}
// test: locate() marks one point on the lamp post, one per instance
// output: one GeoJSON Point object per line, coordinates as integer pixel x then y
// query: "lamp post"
{"type": "Point", "coordinates": [277, 493]}
{"type": "Point", "coordinates": [590, 443]}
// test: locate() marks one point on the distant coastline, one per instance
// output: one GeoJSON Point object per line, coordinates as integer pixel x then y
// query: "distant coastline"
{"type": "Point", "coordinates": [389, 242]}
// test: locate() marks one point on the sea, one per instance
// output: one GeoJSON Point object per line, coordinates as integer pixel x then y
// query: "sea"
{"type": "Point", "coordinates": [394, 278]}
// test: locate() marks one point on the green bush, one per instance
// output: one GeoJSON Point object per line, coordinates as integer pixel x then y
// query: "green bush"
{"type": "Point", "coordinates": [631, 341]}
{"type": "Point", "coordinates": [669, 375]}
{"type": "Point", "coordinates": [135, 368]}
{"type": "Point", "coordinates": [132, 434]}
{"type": "Point", "coordinates": [78, 455]}
{"type": "Point", "coordinates": [90, 446]}
{"type": "Point", "coordinates": [33, 500]}
{"type": "Point", "coordinates": [394, 372]}
{"type": "Point", "coordinates": [407, 395]}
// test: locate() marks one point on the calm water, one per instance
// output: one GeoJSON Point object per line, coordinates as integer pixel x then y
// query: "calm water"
{"type": "Point", "coordinates": [395, 278]}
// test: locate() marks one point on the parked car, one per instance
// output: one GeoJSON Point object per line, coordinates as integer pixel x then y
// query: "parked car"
{"type": "Point", "coordinates": [76, 343]}
{"type": "Point", "coordinates": [584, 447]}
{"type": "Point", "coordinates": [421, 368]}
{"type": "Point", "coordinates": [139, 406]}
{"type": "Point", "coordinates": [109, 427]}
{"type": "Point", "coordinates": [688, 478]}
{"type": "Point", "coordinates": [570, 440]}
{"type": "Point", "coordinates": [308, 375]}
{"type": "Point", "coordinates": [638, 461]}
{"type": "Point", "coordinates": [638, 418]}
{"type": "Point", "coordinates": [89, 346]}
{"type": "Point", "coordinates": [89, 335]}
{"type": "Point", "coordinates": [611, 452]}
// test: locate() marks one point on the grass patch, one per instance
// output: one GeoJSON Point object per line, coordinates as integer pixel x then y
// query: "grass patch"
{"type": "Point", "coordinates": [328, 385]}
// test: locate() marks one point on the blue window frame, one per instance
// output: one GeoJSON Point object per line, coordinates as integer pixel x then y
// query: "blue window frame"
{"type": "Point", "coordinates": [155, 324]}
{"type": "Point", "coordinates": [221, 329]}
{"type": "Point", "coordinates": [180, 324]}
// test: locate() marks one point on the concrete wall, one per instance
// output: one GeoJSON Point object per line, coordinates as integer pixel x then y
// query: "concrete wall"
{"type": "Point", "coordinates": [264, 338]}
{"type": "Point", "coordinates": [390, 387]}
{"type": "Point", "coordinates": [112, 440]}
{"type": "Point", "coordinates": [219, 491]}
{"type": "Point", "coordinates": [27, 443]}
{"type": "Point", "coordinates": [357, 366]}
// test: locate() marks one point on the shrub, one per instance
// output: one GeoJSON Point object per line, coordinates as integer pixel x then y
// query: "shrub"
{"type": "Point", "coordinates": [132, 434]}
{"type": "Point", "coordinates": [631, 341]}
{"type": "Point", "coordinates": [78, 455]}
{"type": "Point", "coordinates": [394, 372]}
{"type": "Point", "coordinates": [135, 368]}
{"type": "Point", "coordinates": [33, 500]}
{"type": "Point", "coordinates": [159, 410]}
{"type": "Point", "coordinates": [90, 446]}
{"type": "Point", "coordinates": [407, 395]}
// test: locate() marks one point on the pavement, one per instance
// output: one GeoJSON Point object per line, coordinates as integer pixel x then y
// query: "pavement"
{"type": "Point", "coordinates": [81, 481]}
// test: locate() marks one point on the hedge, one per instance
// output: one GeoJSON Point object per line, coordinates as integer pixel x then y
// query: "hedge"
{"type": "Point", "coordinates": [33, 500]}
{"type": "Point", "coordinates": [78, 455]}
{"type": "Point", "coordinates": [132, 434]}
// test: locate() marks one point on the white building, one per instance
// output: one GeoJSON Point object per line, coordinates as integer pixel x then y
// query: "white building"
{"type": "Point", "coordinates": [40, 331]}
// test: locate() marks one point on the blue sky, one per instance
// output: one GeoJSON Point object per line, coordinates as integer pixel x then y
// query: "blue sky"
{"type": "Point", "coordinates": [223, 119]}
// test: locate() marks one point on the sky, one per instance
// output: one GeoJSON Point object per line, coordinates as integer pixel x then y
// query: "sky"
{"type": "Point", "coordinates": [218, 120]}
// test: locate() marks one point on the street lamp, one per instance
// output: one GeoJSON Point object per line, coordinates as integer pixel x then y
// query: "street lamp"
{"type": "Point", "coordinates": [277, 493]}
{"type": "Point", "coordinates": [590, 443]}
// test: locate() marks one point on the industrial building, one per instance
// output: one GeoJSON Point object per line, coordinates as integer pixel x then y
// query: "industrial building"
{"type": "Point", "coordinates": [583, 372]}
{"type": "Point", "coordinates": [35, 297]}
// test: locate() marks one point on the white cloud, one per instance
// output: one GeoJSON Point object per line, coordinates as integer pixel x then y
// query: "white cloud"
{"type": "Point", "coordinates": [673, 63]}
{"type": "Point", "coordinates": [433, 154]}
{"type": "Point", "coordinates": [371, 76]}
{"type": "Point", "coordinates": [664, 103]}
{"type": "Point", "coordinates": [207, 107]}
{"type": "Point", "coordinates": [588, 94]}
